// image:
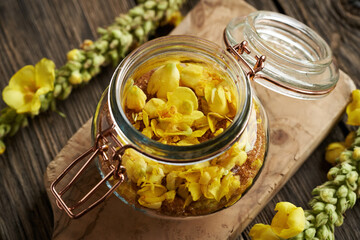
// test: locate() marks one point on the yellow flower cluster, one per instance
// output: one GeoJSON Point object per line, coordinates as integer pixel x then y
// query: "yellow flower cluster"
{"type": "Point", "coordinates": [159, 182]}
{"type": "Point", "coordinates": [353, 109]}
{"type": "Point", "coordinates": [186, 100]}
{"type": "Point", "coordinates": [173, 115]}
{"type": "Point", "coordinates": [334, 149]}
{"type": "Point", "coordinates": [288, 222]}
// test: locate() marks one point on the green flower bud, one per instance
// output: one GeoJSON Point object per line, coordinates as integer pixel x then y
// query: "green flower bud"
{"type": "Point", "coordinates": [318, 207]}
{"type": "Point", "coordinates": [66, 92]}
{"type": "Point", "coordinates": [87, 63]}
{"type": "Point", "coordinates": [64, 72]}
{"type": "Point", "coordinates": [342, 205]}
{"type": "Point", "coordinates": [321, 219]}
{"type": "Point", "coordinates": [86, 76]}
{"type": "Point", "coordinates": [316, 191]}
{"type": "Point", "coordinates": [101, 30]}
{"type": "Point", "coordinates": [324, 232]}
{"type": "Point", "coordinates": [327, 195]}
{"type": "Point", "coordinates": [136, 11]}
{"type": "Point", "coordinates": [333, 216]}
{"type": "Point", "coordinates": [356, 153]}
{"type": "Point", "coordinates": [139, 33]}
{"type": "Point", "coordinates": [102, 45]}
{"type": "Point", "coordinates": [94, 70]}
{"type": "Point", "coordinates": [116, 33]}
{"type": "Point", "coordinates": [162, 5]}
{"type": "Point", "coordinates": [149, 4]}
{"type": "Point", "coordinates": [310, 233]}
{"type": "Point", "coordinates": [332, 173]}
{"type": "Point", "coordinates": [75, 78]}
{"type": "Point", "coordinates": [346, 167]}
{"type": "Point", "coordinates": [4, 130]}
{"type": "Point", "coordinates": [329, 208]}
{"type": "Point", "coordinates": [148, 26]}
{"type": "Point", "coordinates": [352, 177]}
{"type": "Point", "coordinates": [57, 90]}
{"type": "Point", "coordinates": [114, 43]}
{"type": "Point", "coordinates": [98, 60]}
{"type": "Point", "coordinates": [340, 220]}
{"type": "Point", "coordinates": [345, 156]}
{"type": "Point", "coordinates": [339, 179]}
{"type": "Point", "coordinates": [149, 15]}
{"type": "Point", "coordinates": [351, 198]}
{"type": "Point", "coordinates": [114, 56]}
{"type": "Point", "coordinates": [73, 65]}
{"type": "Point", "coordinates": [342, 191]}
{"type": "Point", "coordinates": [60, 80]}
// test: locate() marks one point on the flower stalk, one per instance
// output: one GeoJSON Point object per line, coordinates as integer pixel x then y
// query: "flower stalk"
{"type": "Point", "coordinates": [331, 199]}
{"type": "Point", "coordinates": [127, 32]}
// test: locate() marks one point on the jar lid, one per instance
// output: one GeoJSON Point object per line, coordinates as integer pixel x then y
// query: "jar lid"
{"type": "Point", "coordinates": [299, 63]}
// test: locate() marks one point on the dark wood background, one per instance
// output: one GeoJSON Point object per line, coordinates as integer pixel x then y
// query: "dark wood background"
{"type": "Point", "coordinates": [30, 30]}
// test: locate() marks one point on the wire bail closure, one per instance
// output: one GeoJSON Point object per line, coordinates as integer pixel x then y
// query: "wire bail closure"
{"type": "Point", "coordinates": [238, 49]}
{"type": "Point", "coordinates": [106, 142]}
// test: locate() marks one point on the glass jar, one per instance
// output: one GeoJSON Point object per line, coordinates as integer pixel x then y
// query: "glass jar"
{"type": "Point", "coordinates": [198, 177]}
{"type": "Point", "coordinates": [204, 177]}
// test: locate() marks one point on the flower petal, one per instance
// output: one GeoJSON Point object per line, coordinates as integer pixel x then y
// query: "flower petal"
{"type": "Point", "coordinates": [32, 105]}
{"type": "Point", "coordinates": [13, 97]}
{"type": "Point", "coordinates": [289, 221]}
{"type": "Point", "coordinates": [23, 79]}
{"type": "Point", "coordinates": [44, 76]}
{"type": "Point", "coordinates": [262, 232]}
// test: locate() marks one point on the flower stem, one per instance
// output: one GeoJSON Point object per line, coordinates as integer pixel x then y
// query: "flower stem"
{"type": "Point", "coordinates": [126, 33]}
{"type": "Point", "coordinates": [331, 199]}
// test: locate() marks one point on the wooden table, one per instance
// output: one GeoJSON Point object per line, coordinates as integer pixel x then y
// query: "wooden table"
{"type": "Point", "coordinates": [30, 30]}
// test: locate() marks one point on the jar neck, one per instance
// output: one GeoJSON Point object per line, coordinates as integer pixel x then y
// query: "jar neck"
{"type": "Point", "coordinates": [151, 55]}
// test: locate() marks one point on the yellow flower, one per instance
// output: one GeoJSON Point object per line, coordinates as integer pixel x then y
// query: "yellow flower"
{"type": "Point", "coordinates": [28, 84]}
{"type": "Point", "coordinates": [262, 232]}
{"type": "Point", "coordinates": [353, 109]}
{"type": "Point", "coordinates": [333, 151]}
{"type": "Point", "coordinates": [289, 221]}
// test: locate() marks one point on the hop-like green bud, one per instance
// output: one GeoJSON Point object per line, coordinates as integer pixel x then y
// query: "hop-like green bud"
{"type": "Point", "coordinates": [310, 233]}
{"type": "Point", "coordinates": [318, 207]}
{"type": "Point", "coordinates": [327, 195]}
{"type": "Point", "coordinates": [352, 199]}
{"type": "Point", "coordinates": [345, 156]}
{"type": "Point", "coordinates": [321, 219]}
{"type": "Point", "coordinates": [342, 191]}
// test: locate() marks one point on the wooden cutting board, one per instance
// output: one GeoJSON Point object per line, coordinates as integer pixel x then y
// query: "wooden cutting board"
{"type": "Point", "coordinates": [296, 128]}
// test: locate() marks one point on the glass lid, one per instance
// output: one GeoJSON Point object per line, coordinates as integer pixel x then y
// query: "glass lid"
{"type": "Point", "coordinates": [299, 63]}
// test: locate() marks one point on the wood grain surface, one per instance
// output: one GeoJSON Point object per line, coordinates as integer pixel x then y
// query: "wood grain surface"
{"type": "Point", "coordinates": [30, 30]}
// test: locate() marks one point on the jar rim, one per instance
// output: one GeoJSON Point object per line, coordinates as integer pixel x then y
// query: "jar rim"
{"type": "Point", "coordinates": [172, 154]}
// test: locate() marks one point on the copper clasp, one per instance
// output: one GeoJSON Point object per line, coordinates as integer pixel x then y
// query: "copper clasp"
{"type": "Point", "coordinates": [110, 150]}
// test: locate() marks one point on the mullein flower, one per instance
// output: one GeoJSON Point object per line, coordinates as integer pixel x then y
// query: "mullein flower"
{"type": "Point", "coordinates": [288, 222]}
{"type": "Point", "coordinates": [353, 109]}
{"type": "Point", "coordinates": [262, 232]}
{"type": "Point", "coordinates": [27, 85]}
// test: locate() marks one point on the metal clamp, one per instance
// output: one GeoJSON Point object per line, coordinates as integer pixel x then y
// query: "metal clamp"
{"type": "Point", "coordinates": [100, 148]}
{"type": "Point", "coordinates": [252, 72]}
